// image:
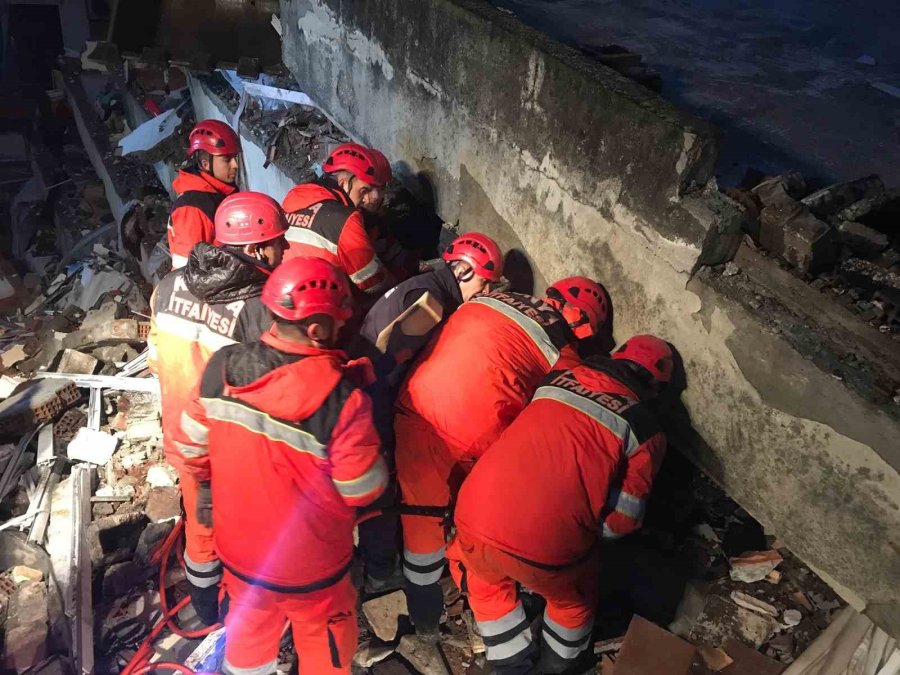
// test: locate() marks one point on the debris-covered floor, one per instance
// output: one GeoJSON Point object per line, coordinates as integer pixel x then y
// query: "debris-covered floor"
{"type": "Point", "coordinates": [90, 511]}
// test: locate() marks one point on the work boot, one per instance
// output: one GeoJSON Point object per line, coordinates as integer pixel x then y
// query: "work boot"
{"type": "Point", "coordinates": [205, 602]}
{"type": "Point", "coordinates": [394, 581]}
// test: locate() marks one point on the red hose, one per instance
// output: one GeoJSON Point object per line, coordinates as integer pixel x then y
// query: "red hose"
{"type": "Point", "coordinates": [140, 662]}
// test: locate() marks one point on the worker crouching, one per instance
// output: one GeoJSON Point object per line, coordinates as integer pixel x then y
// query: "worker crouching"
{"type": "Point", "coordinates": [286, 435]}
{"type": "Point", "coordinates": [394, 331]}
{"type": "Point", "coordinates": [467, 386]}
{"type": "Point", "coordinates": [574, 468]}
{"type": "Point", "coordinates": [211, 302]}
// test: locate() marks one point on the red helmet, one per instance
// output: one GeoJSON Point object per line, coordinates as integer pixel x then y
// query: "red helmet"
{"type": "Point", "coordinates": [480, 251]}
{"type": "Point", "coordinates": [583, 303]}
{"type": "Point", "coordinates": [249, 218]}
{"type": "Point", "coordinates": [302, 287]}
{"type": "Point", "coordinates": [367, 164]}
{"type": "Point", "coordinates": [653, 354]}
{"type": "Point", "coordinates": [214, 137]}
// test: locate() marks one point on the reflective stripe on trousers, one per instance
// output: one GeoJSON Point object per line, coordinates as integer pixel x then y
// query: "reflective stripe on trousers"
{"type": "Point", "coordinates": [567, 643]}
{"type": "Point", "coordinates": [423, 569]}
{"type": "Point", "coordinates": [508, 637]}
{"type": "Point", "coordinates": [202, 574]}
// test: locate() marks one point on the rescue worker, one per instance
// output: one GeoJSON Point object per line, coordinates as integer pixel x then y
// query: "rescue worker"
{"type": "Point", "coordinates": [209, 176]}
{"type": "Point", "coordinates": [211, 302]}
{"type": "Point", "coordinates": [397, 327]}
{"type": "Point", "coordinates": [575, 467]}
{"type": "Point", "coordinates": [467, 386]}
{"type": "Point", "coordinates": [286, 435]}
{"type": "Point", "coordinates": [326, 216]}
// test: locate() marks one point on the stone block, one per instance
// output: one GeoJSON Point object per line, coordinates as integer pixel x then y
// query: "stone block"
{"type": "Point", "coordinates": [790, 231]}
{"type": "Point", "coordinates": [163, 504]}
{"type": "Point", "coordinates": [114, 538]}
{"type": "Point", "coordinates": [25, 645]}
{"type": "Point", "coordinates": [776, 189]}
{"type": "Point", "coordinates": [73, 361]}
{"type": "Point", "coordinates": [383, 614]}
{"type": "Point", "coordinates": [721, 620]}
{"type": "Point", "coordinates": [861, 239]}
{"type": "Point", "coordinates": [27, 604]}
{"type": "Point", "coordinates": [830, 200]}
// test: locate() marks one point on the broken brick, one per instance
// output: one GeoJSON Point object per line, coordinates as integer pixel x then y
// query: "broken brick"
{"type": "Point", "coordinates": [164, 503]}
{"type": "Point", "coordinates": [754, 566]}
{"type": "Point", "coordinates": [40, 402]}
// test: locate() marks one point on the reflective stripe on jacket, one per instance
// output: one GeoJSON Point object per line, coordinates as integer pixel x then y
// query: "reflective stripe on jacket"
{"type": "Point", "coordinates": [578, 463]}
{"type": "Point", "coordinates": [325, 224]}
{"type": "Point", "coordinates": [482, 368]}
{"type": "Point", "coordinates": [288, 443]}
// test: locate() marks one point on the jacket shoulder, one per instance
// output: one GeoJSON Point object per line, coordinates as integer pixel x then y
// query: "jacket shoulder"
{"type": "Point", "coordinates": [254, 320]}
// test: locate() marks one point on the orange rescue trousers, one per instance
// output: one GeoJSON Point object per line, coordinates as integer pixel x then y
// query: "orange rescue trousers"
{"type": "Point", "coordinates": [202, 566]}
{"type": "Point", "coordinates": [491, 578]}
{"type": "Point", "coordinates": [323, 624]}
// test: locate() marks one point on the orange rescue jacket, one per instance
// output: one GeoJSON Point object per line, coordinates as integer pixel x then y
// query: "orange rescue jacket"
{"type": "Point", "coordinates": [194, 211]}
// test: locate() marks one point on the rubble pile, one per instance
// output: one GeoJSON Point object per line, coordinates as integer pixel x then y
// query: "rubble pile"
{"type": "Point", "coordinates": [842, 238]}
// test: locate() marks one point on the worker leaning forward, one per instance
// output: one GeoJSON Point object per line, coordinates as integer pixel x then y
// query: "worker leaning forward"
{"type": "Point", "coordinates": [468, 385]}
{"type": "Point", "coordinates": [209, 176]}
{"type": "Point", "coordinates": [326, 216]}
{"type": "Point", "coordinates": [397, 327]}
{"type": "Point", "coordinates": [211, 302]}
{"type": "Point", "coordinates": [285, 434]}
{"type": "Point", "coordinates": [576, 466]}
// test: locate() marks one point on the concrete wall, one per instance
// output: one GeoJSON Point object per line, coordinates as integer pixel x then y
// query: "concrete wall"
{"type": "Point", "coordinates": [521, 138]}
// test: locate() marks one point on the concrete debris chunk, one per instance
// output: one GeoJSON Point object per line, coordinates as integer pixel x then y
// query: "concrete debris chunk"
{"type": "Point", "coordinates": [425, 658]}
{"type": "Point", "coordinates": [367, 654]}
{"type": "Point", "coordinates": [25, 645]}
{"type": "Point", "coordinates": [13, 355]}
{"type": "Point", "coordinates": [650, 649]}
{"type": "Point", "coordinates": [792, 617]}
{"type": "Point", "coordinates": [721, 619]}
{"type": "Point", "coordinates": [28, 604]}
{"type": "Point", "coordinates": [829, 200]}
{"type": "Point", "coordinates": [76, 362]}
{"type": "Point", "coordinates": [861, 239]}
{"type": "Point", "coordinates": [164, 503]}
{"type": "Point", "coordinates": [23, 573]}
{"type": "Point", "coordinates": [754, 566]}
{"type": "Point", "coordinates": [143, 430]}
{"type": "Point", "coordinates": [160, 475]}
{"type": "Point", "coordinates": [92, 446]}
{"type": "Point", "coordinates": [789, 230]}
{"type": "Point", "coordinates": [383, 614]}
{"type": "Point", "coordinates": [753, 604]}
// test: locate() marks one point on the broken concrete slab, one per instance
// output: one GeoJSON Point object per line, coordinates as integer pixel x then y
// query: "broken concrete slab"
{"type": "Point", "coordinates": [163, 503]}
{"type": "Point", "coordinates": [76, 362]}
{"type": "Point", "coordinates": [426, 658]}
{"type": "Point", "coordinates": [96, 447]}
{"type": "Point", "coordinates": [861, 239]}
{"type": "Point", "coordinates": [829, 200]}
{"type": "Point", "coordinates": [754, 566]}
{"type": "Point", "coordinates": [722, 619]}
{"type": "Point", "coordinates": [384, 612]}
{"type": "Point", "coordinates": [650, 649]}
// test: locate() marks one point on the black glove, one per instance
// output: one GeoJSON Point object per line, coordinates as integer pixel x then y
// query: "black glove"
{"type": "Point", "coordinates": [203, 510]}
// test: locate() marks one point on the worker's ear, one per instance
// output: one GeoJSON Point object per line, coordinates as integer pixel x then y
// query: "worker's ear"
{"type": "Point", "coordinates": [320, 332]}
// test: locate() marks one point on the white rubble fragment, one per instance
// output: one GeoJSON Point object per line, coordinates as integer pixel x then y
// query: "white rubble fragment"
{"type": "Point", "coordinates": [383, 614]}
{"type": "Point", "coordinates": [160, 476]}
{"type": "Point", "coordinates": [753, 604]}
{"type": "Point", "coordinates": [96, 447]}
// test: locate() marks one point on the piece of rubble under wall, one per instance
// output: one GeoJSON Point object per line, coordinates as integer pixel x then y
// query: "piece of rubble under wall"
{"type": "Point", "coordinates": [790, 231]}
{"type": "Point", "coordinates": [722, 619]}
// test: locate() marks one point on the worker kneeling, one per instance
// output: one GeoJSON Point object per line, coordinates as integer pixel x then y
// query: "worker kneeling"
{"type": "Point", "coordinates": [211, 302]}
{"type": "Point", "coordinates": [575, 467]}
{"type": "Point", "coordinates": [285, 434]}
{"type": "Point", "coordinates": [468, 385]}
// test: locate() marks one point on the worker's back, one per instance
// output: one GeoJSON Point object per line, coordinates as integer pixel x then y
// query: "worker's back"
{"type": "Point", "coordinates": [544, 490]}
{"type": "Point", "coordinates": [291, 451]}
{"type": "Point", "coordinates": [481, 369]}
{"type": "Point", "coordinates": [210, 303]}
